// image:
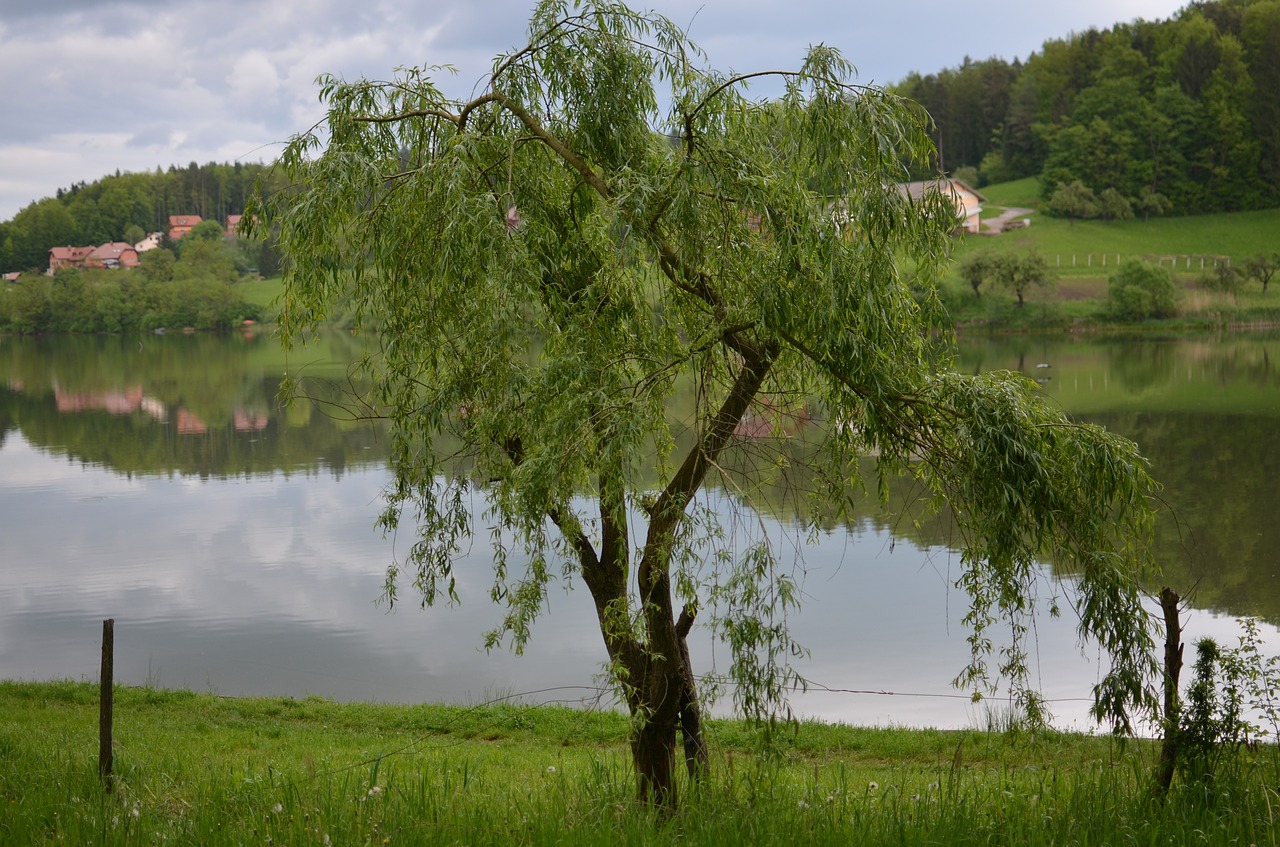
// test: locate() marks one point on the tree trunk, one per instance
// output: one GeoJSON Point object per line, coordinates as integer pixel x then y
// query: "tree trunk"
{"type": "Point", "coordinates": [653, 742]}
{"type": "Point", "coordinates": [696, 759]}
{"type": "Point", "coordinates": [653, 751]}
{"type": "Point", "coordinates": [1172, 668]}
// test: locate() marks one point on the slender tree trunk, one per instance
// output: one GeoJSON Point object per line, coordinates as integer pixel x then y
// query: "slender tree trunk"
{"type": "Point", "coordinates": [1169, 600]}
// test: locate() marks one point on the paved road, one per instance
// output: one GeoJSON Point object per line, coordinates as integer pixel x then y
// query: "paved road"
{"type": "Point", "coordinates": [998, 223]}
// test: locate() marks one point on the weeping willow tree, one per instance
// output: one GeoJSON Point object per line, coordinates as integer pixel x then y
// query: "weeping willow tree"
{"type": "Point", "coordinates": [607, 223]}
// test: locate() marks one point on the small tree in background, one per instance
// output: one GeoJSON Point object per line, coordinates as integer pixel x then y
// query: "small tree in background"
{"type": "Point", "coordinates": [1151, 202]}
{"type": "Point", "coordinates": [1073, 201]}
{"type": "Point", "coordinates": [553, 262]}
{"type": "Point", "coordinates": [1139, 290]}
{"type": "Point", "coordinates": [1114, 206]}
{"type": "Point", "coordinates": [1262, 267]}
{"type": "Point", "coordinates": [1022, 273]}
{"type": "Point", "coordinates": [977, 269]}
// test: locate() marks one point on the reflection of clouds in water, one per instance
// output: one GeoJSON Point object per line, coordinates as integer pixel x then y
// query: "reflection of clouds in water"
{"type": "Point", "coordinates": [265, 585]}
{"type": "Point", "coordinates": [269, 585]}
{"type": "Point", "coordinates": [28, 469]}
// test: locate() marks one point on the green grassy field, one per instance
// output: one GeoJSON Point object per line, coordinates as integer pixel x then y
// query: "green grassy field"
{"type": "Point", "coordinates": [200, 769]}
{"type": "Point", "coordinates": [1081, 255]}
{"type": "Point", "coordinates": [1235, 235]}
{"type": "Point", "coordinates": [262, 292]}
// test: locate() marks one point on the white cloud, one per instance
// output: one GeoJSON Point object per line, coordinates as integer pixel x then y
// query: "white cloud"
{"type": "Point", "coordinates": [135, 84]}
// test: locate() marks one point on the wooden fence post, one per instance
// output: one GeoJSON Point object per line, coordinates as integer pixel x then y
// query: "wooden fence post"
{"type": "Point", "coordinates": [105, 700]}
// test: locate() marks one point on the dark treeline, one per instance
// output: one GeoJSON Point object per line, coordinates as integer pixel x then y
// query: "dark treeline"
{"type": "Point", "coordinates": [1187, 109]}
{"type": "Point", "coordinates": [123, 207]}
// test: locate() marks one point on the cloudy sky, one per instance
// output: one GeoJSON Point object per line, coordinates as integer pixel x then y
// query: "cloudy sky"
{"type": "Point", "coordinates": [91, 86]}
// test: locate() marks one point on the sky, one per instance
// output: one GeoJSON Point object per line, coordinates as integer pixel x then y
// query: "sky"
{"type": "Point", "coordinates": [89, 87]}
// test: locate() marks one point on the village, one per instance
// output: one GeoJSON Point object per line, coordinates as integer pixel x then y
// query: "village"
{"type": "Point", "coordinates": [114, 255]}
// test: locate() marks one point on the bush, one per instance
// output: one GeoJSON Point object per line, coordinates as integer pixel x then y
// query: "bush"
{"type": "Point", "coordinates": [1223, 278]}
{"type": "Point", "coordinates": [1138, 291]}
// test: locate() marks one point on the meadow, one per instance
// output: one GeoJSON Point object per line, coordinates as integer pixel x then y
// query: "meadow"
{"type": "Point", "coordinates": [200, 769]}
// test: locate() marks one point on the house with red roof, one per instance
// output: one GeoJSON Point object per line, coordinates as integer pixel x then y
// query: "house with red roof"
{"type": "Point", "coordinates": [180, 225]}
{"type": "Point", "coordinates": [67, 257]}
{"type": "Point", "coordinates": [113, 254]}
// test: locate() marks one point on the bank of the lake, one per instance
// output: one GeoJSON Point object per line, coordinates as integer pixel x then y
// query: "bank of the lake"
{"type": "Point", "coordinates": [194, 768]}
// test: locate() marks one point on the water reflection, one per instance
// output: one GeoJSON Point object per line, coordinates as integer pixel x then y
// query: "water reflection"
{"type": "Point", "coordinates": [242, 558]}
{"type": "Point", "coordinates": [1205, 412]}
{"type": "Point", "coordinates": [198, 404]}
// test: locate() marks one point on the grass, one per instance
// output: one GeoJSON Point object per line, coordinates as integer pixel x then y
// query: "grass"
{"type": "Point", "coordinates": [262, 292]}
{"type": "Point", "coordinates": [1082, 254]}
{"type": "Point", "coordinates": [194, 768]}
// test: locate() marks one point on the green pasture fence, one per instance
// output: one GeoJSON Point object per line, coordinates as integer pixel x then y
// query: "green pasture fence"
{"type": "Point", "coordinates": [1185, 262]}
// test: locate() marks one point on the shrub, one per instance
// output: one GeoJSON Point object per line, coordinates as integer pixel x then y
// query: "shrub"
{"type": "Point", "coordinates": [1138, 290]}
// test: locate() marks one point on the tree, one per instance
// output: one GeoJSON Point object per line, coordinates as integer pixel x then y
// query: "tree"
{"type": "Point", "coordinates": [1073, 200]}
{"type": "Point", "coordinates": [547, 270]}
{"type": "Point", "coordinates": [1262, 267]}
{"type": "Point", "coordinates": [1020, 274]}
{"type": "Point", "coordinates": [977, 269]}
{"type": "Point", "coordinates": [1138, 290]}
{"type": "Point", "coordinates": [1151, 202]}
{"type": "Point", "coordinates": [1114, 206]}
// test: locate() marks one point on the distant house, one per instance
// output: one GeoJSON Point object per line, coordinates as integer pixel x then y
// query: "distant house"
{"type": "Point", "coordinates": [233, 221]}
{"type": "Point", "coordinates": [151, 242]}
{"type": "Point", "coordinates": [113, 255]}
{"type": "Point", "coordinates": [180, 225]}
{"type": "Point", "coordinates": [67, 257]}
{"type": "Point", "coordinates": [968, 201]}
{"type": "Point", "coordinates": [13, 276]}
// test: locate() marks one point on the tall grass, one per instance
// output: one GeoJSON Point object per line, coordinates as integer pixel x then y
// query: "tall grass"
{"type": "Point", "coordinates": [195, 769]}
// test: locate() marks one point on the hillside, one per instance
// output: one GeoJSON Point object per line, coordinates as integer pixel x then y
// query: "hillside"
{"type": "Point", "coordinates": [1181, 115]}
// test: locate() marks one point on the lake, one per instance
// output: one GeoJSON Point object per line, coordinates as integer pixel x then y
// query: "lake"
{"type": "Point", "coordinates": [155, 480]}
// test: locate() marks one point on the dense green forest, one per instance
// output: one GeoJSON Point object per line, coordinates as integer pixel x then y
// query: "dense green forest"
{"type": "Point", "coordinates": [125, 207]}
{"type": "Point", "coordinates": [1180, 116]}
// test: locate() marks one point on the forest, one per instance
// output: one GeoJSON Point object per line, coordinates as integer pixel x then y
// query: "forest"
{"type": "Point", "coordinates": [1180, 116]}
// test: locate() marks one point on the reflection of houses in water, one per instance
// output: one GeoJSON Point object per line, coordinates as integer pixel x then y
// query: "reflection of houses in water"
{"type": "Point", "coordinates": [131, 400]}
{"type": "Point", "coordinates": [189, 424]}
{"type": "Point", "coordinates": [247, 421]}
{"type": "Point", "coordinates": [124, 402]}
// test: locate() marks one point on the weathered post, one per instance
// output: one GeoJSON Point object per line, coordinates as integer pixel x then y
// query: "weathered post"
{"type": "Point", "coordinates": [105, 699]}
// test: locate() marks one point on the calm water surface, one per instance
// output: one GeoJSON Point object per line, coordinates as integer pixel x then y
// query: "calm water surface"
{"type": "Point", "coordinates": [156, 482]}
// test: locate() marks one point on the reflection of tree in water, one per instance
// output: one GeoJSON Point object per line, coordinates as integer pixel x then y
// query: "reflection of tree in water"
{"type": "Point", "coordinates": [1217, 531]}
{"type": "Point", "coordinates": [1140, 365]}
{"type": "Point", "coordinates": [1219, 528]}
